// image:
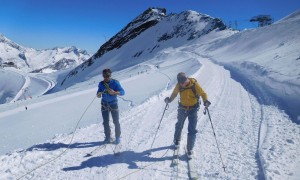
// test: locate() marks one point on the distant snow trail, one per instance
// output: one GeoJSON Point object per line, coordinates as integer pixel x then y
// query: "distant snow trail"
{"type": "Point", "coordinates": [168, 84]}
{"type": "Point", "coordinates": [51, 84]}
{"type": "Point", "coordinates": [33, 86]}
{"type": "Point", "coordinates": [23, 89]}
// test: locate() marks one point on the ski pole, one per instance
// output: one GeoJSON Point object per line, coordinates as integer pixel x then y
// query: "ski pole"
{"type": "Point", "coordinates": [206, 109]}
{"type": "Point", "coordinates": [167, 105]}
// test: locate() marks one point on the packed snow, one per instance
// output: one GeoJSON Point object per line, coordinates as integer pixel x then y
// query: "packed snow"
{"type": "Point", "coordinates": [17, 85]}
{"type": "Point", "coordinates": [256, 141]}
{"type": "Point", "coordinates": [49, 136]}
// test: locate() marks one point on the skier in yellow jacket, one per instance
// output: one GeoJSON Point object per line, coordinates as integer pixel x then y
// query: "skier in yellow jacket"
{"type": "Point", "coordinates": [188, 106]}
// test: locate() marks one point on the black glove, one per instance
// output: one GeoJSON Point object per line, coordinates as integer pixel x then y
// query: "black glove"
{"type": "Point", "coordinates": [206, 103]}
{"type": "Point", "coordinates": [99, 94]}
{"type": "Point", "coordinates": [167, 100]}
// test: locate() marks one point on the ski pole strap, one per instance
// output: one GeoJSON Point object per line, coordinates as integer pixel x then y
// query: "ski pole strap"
{"type": "Point", "coordinates": [167, 106]}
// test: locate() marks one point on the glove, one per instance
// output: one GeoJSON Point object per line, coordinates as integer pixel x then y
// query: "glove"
{"type": "Point", "coordinates": [167, 100]}
{"type": "Point", "coordinates": [206, 103]}
{"type": "Point", "coordinates": [99, 94]}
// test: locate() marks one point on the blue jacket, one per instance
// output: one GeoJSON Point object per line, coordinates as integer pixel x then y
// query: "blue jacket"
{"type": "Point", "coordinates": [114, 85]}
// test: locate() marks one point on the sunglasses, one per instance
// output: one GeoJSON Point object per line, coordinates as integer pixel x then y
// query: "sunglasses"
{"type": "Point", "coordinates": [106, 75]}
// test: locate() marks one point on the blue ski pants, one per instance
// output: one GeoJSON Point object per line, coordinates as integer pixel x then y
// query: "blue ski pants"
{"type": "Point", "coordinates": [113, 109]}
{"type": "Point", "coordinates": [192, 116]}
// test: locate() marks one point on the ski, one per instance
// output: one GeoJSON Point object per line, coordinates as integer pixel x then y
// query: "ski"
{"type": "Point", "coordinates": [175, 163]}
{"type": "Point", "coordinates": [190, 163]}
{"type": "Point", "coordinates": [175, 159]}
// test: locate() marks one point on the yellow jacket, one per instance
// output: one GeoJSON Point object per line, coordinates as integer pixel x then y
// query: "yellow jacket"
{"type": "Point", "coordinates": [187, 96]}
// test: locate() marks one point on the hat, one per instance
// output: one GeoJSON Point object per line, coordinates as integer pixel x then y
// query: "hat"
{"type": "Point", "coordinates": [181, 77]}
{"type": "Point", "coordinates": [106, 73]}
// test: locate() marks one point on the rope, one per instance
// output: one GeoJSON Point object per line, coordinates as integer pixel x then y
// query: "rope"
{"type": "Point", "coordinates": [63, 152]}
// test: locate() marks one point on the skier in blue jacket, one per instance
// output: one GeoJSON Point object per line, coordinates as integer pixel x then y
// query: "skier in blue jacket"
{"type": "Point", "coordinates": [108, 89]}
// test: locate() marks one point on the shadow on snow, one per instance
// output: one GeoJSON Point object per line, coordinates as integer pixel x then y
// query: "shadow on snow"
{"type": "Point", "coordinates": [55, 146]}
{"type": "Point", "coordinates": [126, 157]}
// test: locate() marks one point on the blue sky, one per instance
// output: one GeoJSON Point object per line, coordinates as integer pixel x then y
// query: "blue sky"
{"type": "Point", "coordinates": [87, 24]}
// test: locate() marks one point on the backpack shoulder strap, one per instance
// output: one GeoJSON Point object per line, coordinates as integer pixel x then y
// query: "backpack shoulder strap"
{"type": "Point", "coordinates": [106, 85]}
{"type": "Point", "coordinates": [193, 88]}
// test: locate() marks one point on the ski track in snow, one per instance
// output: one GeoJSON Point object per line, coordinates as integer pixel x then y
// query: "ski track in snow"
{"type": "Point", "coordinates": [246, 132]}
{"type": "Point", "coordinates": [31, 81]}
{"type": "Point", "coordinates": [23, 89]}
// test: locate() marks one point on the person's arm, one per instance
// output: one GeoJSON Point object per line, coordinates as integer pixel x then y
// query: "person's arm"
{"type": "Point", "coordinates": [201, 92]}
{"type": "Point", "coordinates": [175, 92]}
{"type": "Point", "coordinates": [100, 90]}
{"type": "Point", "coordinates": [118, 90]}
{"type": "Point", "coordinates": [173, 95]}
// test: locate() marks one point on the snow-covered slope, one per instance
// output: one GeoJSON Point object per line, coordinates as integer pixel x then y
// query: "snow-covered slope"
{"type": "Point", "coordinates": [257, 140]}
{"type": "Point", "coordinates": [141, 39]}
{"type": "Point", "coordinates": [29, 59]}
{"type": "Point", "coordinates": [11, 83]}
{"type": "Point", "coordinates": [16, 85]}
{"type": "Point", "coordinates": [267, 58]}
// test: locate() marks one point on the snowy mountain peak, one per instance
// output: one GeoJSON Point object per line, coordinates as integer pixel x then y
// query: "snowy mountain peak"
{"type": "Point", "coordinates": [10, 44]}
{"type": "Point", "coordinates": [147, 19]}
{"type": "Point", "coordinates": [71, 49]}
{"type": "Point", "coordinates": [191, 24]}
{"type": "Point", "coordinates": [2, 37]}
{"type": "Point", "coordinates": [29, 59]}
{"type": "Point", "coordinates": [150, 14]}
{"type": "Point", "coordinates": [146, 34]}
